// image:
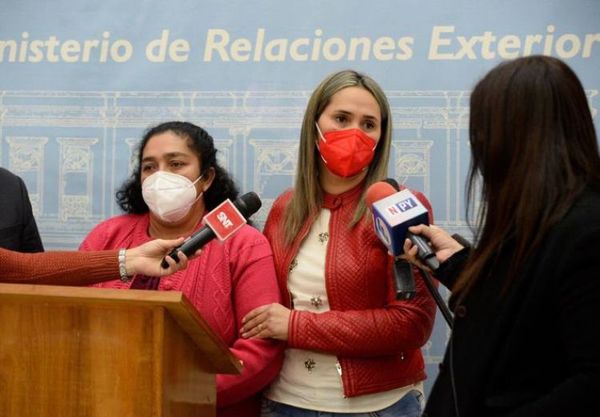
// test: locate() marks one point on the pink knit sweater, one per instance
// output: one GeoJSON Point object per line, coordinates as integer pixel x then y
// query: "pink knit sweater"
{"type": "Point", "coordinates": [224, 283]}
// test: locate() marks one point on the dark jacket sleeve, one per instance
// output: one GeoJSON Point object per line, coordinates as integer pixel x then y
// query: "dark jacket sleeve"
{"type": "Point", "coordinates": [450, 269]}
{"type": "Point", "coordinates": [18, 230]}
{"type": "Point", "coordinates": [30, 240]}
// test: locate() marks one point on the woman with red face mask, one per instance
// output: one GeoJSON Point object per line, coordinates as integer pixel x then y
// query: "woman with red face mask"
{"type": "Point", "coordinates": [352, 348]}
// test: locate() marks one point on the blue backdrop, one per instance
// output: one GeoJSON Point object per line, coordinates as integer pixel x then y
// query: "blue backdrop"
{"type": "Point", "coordinates": [80, 82]}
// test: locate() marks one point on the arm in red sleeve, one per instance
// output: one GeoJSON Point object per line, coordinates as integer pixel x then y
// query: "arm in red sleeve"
{"type": "Point", "coordinates": [399, 326]}
{"type": "Point", "coordinates": [255, 285]}
{"type": "Point", "coordinates": [58, 268]}
{"type": "Point", "coordinates": [396, 326]}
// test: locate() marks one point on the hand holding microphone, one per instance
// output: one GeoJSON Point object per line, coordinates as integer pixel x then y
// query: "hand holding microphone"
{"type": "Point", "coordinates": [394, 212]}
{"type": "Point", "coordinates": [222, 222]}
{"type": "Point", "coordinates": [398, 218]}
{"type": "Point", "coordinates": [442, 243]}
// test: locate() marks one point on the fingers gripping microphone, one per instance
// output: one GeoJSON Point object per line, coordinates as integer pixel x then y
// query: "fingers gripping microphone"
{"type": "Point", "coordinates": [393, 213]}
{"type": "Point", "coordinates": [425, 253]}
{"type": "Point", "coordinates": [222, 222]}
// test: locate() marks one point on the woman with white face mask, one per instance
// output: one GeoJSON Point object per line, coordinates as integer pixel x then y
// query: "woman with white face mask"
{"type": "Point", "coordinates": [178, 181]}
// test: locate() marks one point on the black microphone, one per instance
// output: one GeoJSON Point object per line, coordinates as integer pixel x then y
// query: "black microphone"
{"type": "Point", "coordinates": [462, 240]}
{"type": "Point", "coordinates": [404, 279]}
{"type": "Point", "coordinates": [403, 271]}
{"type": "Point", "coordinates": [424, 251]}
{"type": "Point", "coordinates": [222, 222]}
{"type": "Point", "coordinates": [393, 213]}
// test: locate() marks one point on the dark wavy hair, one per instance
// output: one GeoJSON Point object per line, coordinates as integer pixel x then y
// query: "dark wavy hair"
{"type": "Point", "coordinates": [533, 150]}
{"type": "Point", "coordinates": [129, 196]}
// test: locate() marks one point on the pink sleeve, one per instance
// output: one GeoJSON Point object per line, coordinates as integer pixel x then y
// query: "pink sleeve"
{"type": "Point", "coordinates": [255, 285]}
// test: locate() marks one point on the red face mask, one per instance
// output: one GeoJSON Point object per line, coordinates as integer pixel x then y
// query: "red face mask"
{"type": "Point", "coordinates": [346, 152]}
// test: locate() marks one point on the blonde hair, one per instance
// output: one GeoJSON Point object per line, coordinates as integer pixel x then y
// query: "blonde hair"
{"type": "Point", "coordinates": [308, 196]}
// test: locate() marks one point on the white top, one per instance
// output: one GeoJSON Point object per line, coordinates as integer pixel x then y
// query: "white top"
{"type": "Point", "coordinates": [310, 379]}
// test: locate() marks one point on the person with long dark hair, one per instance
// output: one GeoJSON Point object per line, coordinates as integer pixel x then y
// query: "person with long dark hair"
{"type": "Point", "coordinates": [178, 180]}
{"type": "Point", "coordinates": [353, 349]}
{"type": "Point", "coordinates": [526, 296]}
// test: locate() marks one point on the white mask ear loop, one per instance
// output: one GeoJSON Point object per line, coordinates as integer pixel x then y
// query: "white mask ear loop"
{"type": "Point", "coordinates": [320, 133]}
{"type": "Point", "coordinates": [317, 144]}
{"type": "Point", "coordinates": [201, 193]}
{"type": "Point", "coordinates": [197, 179]}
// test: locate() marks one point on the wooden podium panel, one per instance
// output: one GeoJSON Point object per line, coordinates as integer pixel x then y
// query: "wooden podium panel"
{"type": "Point", "coordinates": [70, 351]}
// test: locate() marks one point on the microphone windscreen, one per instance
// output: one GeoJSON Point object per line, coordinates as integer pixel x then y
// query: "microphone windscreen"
{"type": "Point", "coordinates": [393, 183]}
{"type": "Point", "coordinates": [379, 191]}
{"type": "Point", "coordinates": [248, 204]}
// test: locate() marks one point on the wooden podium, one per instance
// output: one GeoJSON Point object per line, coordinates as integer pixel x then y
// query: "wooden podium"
{"type": "Point", "coordinates": [74, 352]}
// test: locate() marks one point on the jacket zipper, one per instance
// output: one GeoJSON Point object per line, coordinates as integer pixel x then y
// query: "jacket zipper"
{"type": "Point", "coordinates": [338, 367]}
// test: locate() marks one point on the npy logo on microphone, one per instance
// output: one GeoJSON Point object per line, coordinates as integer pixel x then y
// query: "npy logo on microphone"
{"type": "Point", "coordinates": [402, 206]}
{"type": "Point", "coordinates": [393, 215]}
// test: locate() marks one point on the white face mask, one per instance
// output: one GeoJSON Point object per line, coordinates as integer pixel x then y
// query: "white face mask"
{"type": "Point", "coordinates": [169, 196]}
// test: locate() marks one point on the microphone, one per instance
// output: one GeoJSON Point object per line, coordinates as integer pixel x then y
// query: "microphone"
{"type": "Point", "coordinates": [393, 213]}
{"type": "Point", "coordinates": [403, 272]}
{"type": "Point", "coordinates": [462, 240]}
{"type": "Point", "coordinates": [404, 278]}
{"type": "Point", "coordinates": [221, 222]}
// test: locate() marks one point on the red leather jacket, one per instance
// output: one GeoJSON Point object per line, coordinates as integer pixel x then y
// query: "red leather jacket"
{"type": "Point", "coordinates": [377, 339]}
